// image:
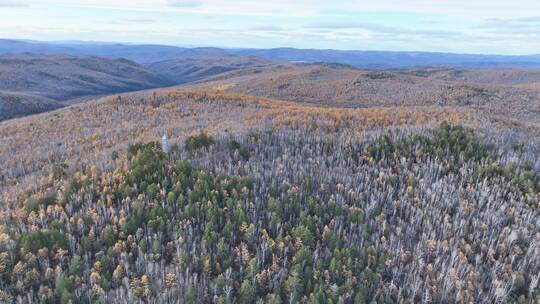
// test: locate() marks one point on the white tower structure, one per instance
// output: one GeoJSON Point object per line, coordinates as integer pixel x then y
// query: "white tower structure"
{"type": "Point", "coordinates": [165, 143]}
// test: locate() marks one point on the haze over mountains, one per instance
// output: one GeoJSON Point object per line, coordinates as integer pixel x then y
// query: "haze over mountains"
{"type": "Point", "coordinates": [364, 59]}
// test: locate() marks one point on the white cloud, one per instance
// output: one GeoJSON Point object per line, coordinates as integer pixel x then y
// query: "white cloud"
{"type": "Point", "coordinates": [482, 9]}
{"type": "Point", "coordinates": [12, 4]}
{"type": "Point", "coordinates": [184, 3]}
{"type": "Point", "coordinates": [470, 25]}
{"type": "Point", "coordinates": [140, 20]}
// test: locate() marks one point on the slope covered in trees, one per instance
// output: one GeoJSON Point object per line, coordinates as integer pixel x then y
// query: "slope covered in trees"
{"type": "Point", "coordinates": [508, 76]}
{"type": "Point", "coordinates": [417, 215]}
{"type": "Point", "coordinates": [64, 77]}
{"type": "Point", "coordinates": [267, 200]}
{"type": "Point", "coordinates": [342, 86]}
{"type": "Point", "coordinates": [42, 82]}
{"type": "Point", "coordinates": [20, 104]}
{"type": "Point", "coordinates": [87, 133]}
{"type": "Point", "coordinates": [61, 78]}
{"type": "Point", "coordinates": [183, 70]}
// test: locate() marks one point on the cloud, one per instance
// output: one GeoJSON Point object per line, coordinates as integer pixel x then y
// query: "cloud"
{"type": "Point", "coordinates": [519, 27]}
{"type": "Point", "coordinates": [12, 4]}
{"type": "Point", "coordinates": [184, 3]}
{"type": "Point", "coordinates": [382, 29]}
{"type": "Point", "coordinates": [140, 20]}
{"type": "Point", "coordinates": [132, 20]}
{"type": "Point", "coordinates": [475, 9]}
{"type": "Point", "coordinates": [264, 28]}
{"type": "Point", "coordinates": [442, 25]}
{"type": "Point", "coordinates": [535, 19]}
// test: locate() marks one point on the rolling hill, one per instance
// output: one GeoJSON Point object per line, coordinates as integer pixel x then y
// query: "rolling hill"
{"type": "Point", "coordinates": [66, 77]}
{"type": "Point", "coordinates": [510, 76]}
{"type": "Point", "coordinates": [56, 80]}
{"type": "Point", "coordinates": [184, 70]}
{"type": "Point", "coordinates": [255, 199]}
{"type": "Point", "coordinates": [334, 85]}
{"type": "Point", "coordinates": [19, 104]}
{"type": "Point", "coordinates": [43, 82]}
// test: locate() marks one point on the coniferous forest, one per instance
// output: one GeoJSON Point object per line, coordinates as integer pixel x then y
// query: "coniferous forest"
{"type": "Point", "coordinates": [431, 215]}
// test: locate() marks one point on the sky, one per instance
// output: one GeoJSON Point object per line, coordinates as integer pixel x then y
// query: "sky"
{"type": "Point", "coordinates": [459, 26]}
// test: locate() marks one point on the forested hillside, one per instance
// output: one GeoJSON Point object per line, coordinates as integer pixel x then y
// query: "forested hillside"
{"type": "Point", "coordinates": [64, 77]}
{"type": "Point", "coordinates": [260, 200]}
{"type": "Point", "coordinates": [183, 70]}
{"type": "Point", "coordinates": [57, 80]}
{"type": "Point", "coordinates": [31, 84]}
{"type": "Point", "coordinates": [20, 104]}
{"type": "Point", "coordinates": [426, 215]}
{"type": "Point", "coordinates": [275, 152]}
{"type": "Point", "coordinates": [342, 86]}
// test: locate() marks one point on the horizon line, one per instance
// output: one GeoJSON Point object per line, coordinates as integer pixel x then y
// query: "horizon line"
{"type": "Point", "coordinates": [194, 46]}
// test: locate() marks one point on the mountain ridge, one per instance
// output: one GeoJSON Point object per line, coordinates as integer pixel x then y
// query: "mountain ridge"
{"type": "Point", "coordinates": [145, 53]}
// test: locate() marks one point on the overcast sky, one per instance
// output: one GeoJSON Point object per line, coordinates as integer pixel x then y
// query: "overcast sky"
{"type": "Point", "coordinates": [467, 26]}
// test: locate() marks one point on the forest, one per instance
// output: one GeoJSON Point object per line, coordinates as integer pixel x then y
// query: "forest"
{"type": "Point", "coordinates": [276, 152]}
{"type": "Point", "coordinates": [432, 215]}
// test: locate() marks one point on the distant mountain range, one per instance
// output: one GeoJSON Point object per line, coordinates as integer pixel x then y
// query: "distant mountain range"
{"type": "Point", "coordinates": [361, 59]}
{"type": "Point", "coordinates": [38, 77]}
{"type": "Point", "coordinates": [138, 53]}
{"type": "Point", "coordinates": [192, 69]}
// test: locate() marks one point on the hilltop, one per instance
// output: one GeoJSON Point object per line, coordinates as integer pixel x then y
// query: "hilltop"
{"type": "Point", "coordinates": [87, 133]}
{"type": "Point", "coordinates": [342, 86]}
{"type": "Point", "coordinates": [259, 199]}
